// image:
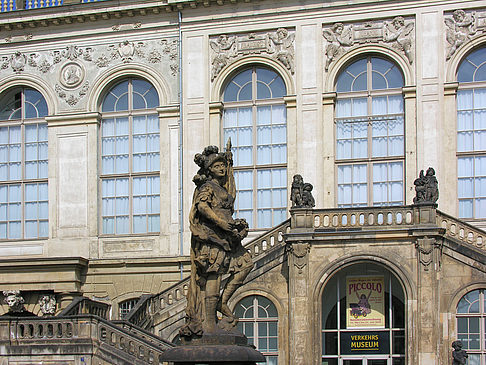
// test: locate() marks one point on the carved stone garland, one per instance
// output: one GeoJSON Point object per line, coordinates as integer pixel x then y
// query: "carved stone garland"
{"type": "Point", "coordinates": [397, 33]}
{"type": "Point", "coordinates": [73, 61]}
{"type": "Point", "coordinates": [226, 49]}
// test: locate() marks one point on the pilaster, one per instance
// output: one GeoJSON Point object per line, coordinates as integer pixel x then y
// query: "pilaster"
{"type": "Point", "coordinates": [299, 307]}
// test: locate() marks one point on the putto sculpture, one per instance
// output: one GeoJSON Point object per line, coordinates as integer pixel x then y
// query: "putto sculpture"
{"type": "Point", "coordinates": [216, 248]}
{"type": "Point", "coordinates": [459, 355]}
{"type": "Point", "coordinates": [301, 193]}
{"type": "Point", "coordinates": [426, 188]}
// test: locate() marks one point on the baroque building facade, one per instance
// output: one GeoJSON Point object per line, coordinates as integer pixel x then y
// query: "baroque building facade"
{"type": "Point", "coordinates": [105, 104]}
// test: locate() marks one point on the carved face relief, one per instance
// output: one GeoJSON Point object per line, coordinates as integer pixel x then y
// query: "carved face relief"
{"type": "Point", "coordinates": [14, 300]}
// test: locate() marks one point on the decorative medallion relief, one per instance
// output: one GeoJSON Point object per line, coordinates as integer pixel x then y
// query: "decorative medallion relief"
{"type": "Point", "coordinates": [226, 49]}
{"type": "Point", "coordinates": [462, 26]}
{"type": "Point", "coordinates": [72, 69]}
{"type": "Point", "coordinates": [397, 33]}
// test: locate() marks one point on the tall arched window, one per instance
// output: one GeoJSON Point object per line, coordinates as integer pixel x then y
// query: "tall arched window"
{"type": "Point", "coordinates": [130, 159]}
{"type": "Point", "coordinates": [471, 135]}
{"type": "Point", "coordinates": [370, 138]}
{"type": "Point", "coordinates": [255, 119]}
{"type": "Point", "coordinates": [23, 165]}
{"type": "Point", "coordinates": [363, 299]}
{"type": "Point", "coordinates": [471, 326]}
{"type": "Point", "coordinates": [259, 322]}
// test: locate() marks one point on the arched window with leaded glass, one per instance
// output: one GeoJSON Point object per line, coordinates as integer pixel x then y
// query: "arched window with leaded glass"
{"type": "Point", "coordinates": [471, 326]}
{"type": "Point", "coordinates": [370, 138]}
{"type": "Point", "coordinates": [471, 135]}
{"type": "Point", "coordinates": [23, 165]}
{"type": "Point", "coordinates": [130, 159]}
{"type": "Point", "coordinates": [258, 320]}
{"type": "Point", "coordinates": [255, 119]}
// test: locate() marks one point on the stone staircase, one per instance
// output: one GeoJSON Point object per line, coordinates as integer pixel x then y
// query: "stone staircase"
{"type": "Point", "coordinates": [163, 313]}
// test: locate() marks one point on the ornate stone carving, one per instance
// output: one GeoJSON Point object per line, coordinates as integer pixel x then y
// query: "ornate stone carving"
{"type": "Point", "coordinates": [71, 75]}
{"type": "Point", "coordinates": [301, 193]}
{"type": "Point", "coordinates": [18, 61]}
{"type": "Point", "coordinates": [72, 52]}
{"type": "Point", "coordinates": [426, 188]}
{"type": "Point", "coordinates": [459, 356]}
{"type": "Point", "coordinates": [226, 49]}
{"type": "Point", "coordinates": [14, 301]}
{"type": "Point", "coordinates": [47, 303]}
{"type": "Point", "coordinates": [399, 35]}
{"type": "Point", "coordinates": [72, 99]}
{"type": "Point", "coordinates": [299, 251]}
{"type": "Point", "coordinates": [429, 251]}
{"type": "Point", "coordinates": [338, 37]}
{"type": "Point", "coordinates": [282, 47]}
{"type": "Point", "coordinates": [126, 50]}
{"type": "Point", "coordinates": [396, 33]}
{"type": "Point", "coordinates": [461, 27]}
{"type": "Point", "coordinates": [216, 248]}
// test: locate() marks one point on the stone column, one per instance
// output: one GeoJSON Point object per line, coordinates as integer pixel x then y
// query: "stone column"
{"type": "Point", "coordinates": [299, 307]}
{"type": "Point", "coordinates": [429, 250]}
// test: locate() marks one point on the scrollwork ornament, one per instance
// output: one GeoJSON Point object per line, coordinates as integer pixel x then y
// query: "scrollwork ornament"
{"type": "Point", "coordinates": [72, 52]}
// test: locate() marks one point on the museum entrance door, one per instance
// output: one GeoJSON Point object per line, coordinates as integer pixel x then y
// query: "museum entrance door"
{"type": "Point", "coordinates": [375, 360]}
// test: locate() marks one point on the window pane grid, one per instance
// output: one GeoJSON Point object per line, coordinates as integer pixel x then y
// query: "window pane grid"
{"type": "Point", "coordinates": [369, 135]}
{"type": "Point", "coordinates": [256, 124]}
{"type": "Point", "coordinates": [472, 186]}
{"type": "Point", "coordinates": [259, 322]}
{"type": "Point", "coordinates": [471, 325]}
{"type": "Point", "coordinates": [130, 159]}
{"type": "Point", "coordinates": [23, 166]}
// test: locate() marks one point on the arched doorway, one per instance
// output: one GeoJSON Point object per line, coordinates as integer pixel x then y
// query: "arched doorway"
{"type": "Point", "coordinates": [363, 317]}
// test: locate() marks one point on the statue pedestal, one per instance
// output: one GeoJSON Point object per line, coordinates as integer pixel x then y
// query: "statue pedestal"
{"type": "Point", "coordinates": [220, 347]}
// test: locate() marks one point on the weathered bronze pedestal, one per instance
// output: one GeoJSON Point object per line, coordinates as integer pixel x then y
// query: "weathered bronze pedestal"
{"type": "Point", "coordinates": [216, 252]}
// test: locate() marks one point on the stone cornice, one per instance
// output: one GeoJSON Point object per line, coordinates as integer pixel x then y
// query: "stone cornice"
{"type": "Point", "coordinates": [74, 12]}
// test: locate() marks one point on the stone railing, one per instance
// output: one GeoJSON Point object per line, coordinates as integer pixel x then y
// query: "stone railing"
{"type": "Point", "coordinates": [462, 231]}
{"type": "Point", "coordinates": [86, 333]}
{"type": "Point", "coordinates": [148, 306]}
{"type": "Point", "coordinates": [142, 334]}
{"type": "Point", "coordinates": [83, 305]}
{"type": "Point", "coordinates": [357, 218]}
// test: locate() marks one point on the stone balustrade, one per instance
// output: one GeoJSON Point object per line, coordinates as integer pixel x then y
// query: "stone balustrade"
{"type": "Point", "coordinates": [66, 335]}
{"type": "Point", "coordinates": [461, 231]}
{"type": "Point", "coordinates": [176, 294]}
{"type": "Point", "coordinates": [83, 305]}
{"type": "Point", "coordinates": [363, 218]}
